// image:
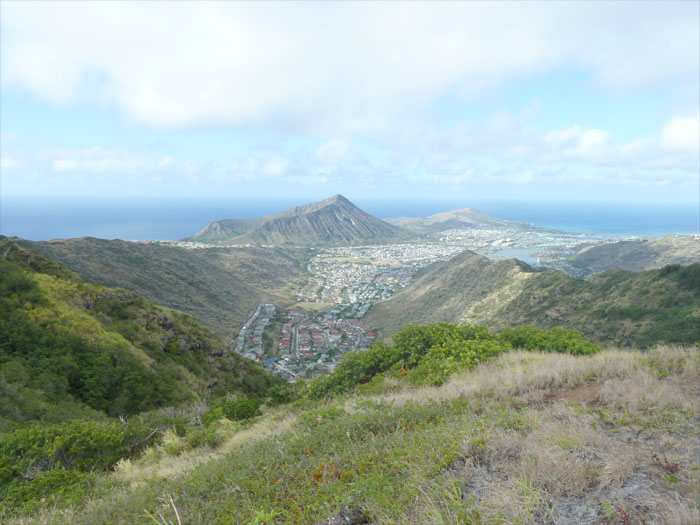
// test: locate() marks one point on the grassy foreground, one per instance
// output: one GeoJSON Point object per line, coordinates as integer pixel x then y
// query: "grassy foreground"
{"type": "Point", "coordinates": [524, 438]}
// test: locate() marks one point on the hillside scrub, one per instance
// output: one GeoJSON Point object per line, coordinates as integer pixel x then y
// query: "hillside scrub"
{"type": "Point", "coordinates": [527, 437]}
{"type": "Point", "coordinates": [70, 348]}
{"type": "Point", "coordinates": [218, 286]}
{"type": "Point", "coordinates": [613, 308]}
{"type": "Point", "coordinates": [429, 354]}
{"type": "Point", "coordinates": [85, 370]}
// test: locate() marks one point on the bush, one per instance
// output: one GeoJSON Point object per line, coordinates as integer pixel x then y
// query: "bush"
{"type": "Point", "coordinates": [39, 458]}
{"type": "Point", "coordinates": [283, 393]}
{"type": "Point", "coordinates": [236, 410]}
{"type": "Point", "coordinates": [430, 354]}
{"type": "Point", "coordinates": [451, 346]}
{"type": "Point", "coordinates": [444, 359]}
{"type": "Point", "coordinates": [554, 340]}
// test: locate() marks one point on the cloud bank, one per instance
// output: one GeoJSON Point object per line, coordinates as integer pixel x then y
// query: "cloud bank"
{"type": "Point", "coordinates": [329, 68]}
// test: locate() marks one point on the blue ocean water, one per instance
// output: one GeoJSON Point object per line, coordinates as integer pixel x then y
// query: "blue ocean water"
{"type": "Point", "coordinates": [135, 219]}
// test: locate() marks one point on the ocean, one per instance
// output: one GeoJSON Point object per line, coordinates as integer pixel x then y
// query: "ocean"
{"type": "Point", "coordinates": [137, 219]}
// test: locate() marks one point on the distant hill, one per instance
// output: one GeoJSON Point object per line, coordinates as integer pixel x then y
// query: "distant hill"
{"type": "Point", "coordinates": [465, 218]}
{"type": "Point", "coordinates": [616, 306]}
{"type": "Point", "coordinates": [219, 286]}
{"type": "Point", "coordinates": [69, 347]}
{"type": "Point", "coordinates": [638, 255]}
{"type": "Point", "coordinates": [333, 221]}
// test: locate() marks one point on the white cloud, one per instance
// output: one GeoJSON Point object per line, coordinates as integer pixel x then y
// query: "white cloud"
{"type": "Point", "coordinates": [524, 178]}
{"type": "Point", "coordinates": [65, 165]}
{"type": "Point", "coordinates": [99, 160]}
{"type": "Point", "coordinates": [332, 151]}
{"type": "Point", "coordinates": [9, 163]}
{"type": "Point", "coordinates": [578, 143]}
{"type": "Point", "coordinates": [328, 67]}
{"type": "Point", "coordinates": [261, 166]}
{"type": "Point", "coordinates": [681, 134]}
{"type": "Point", "coordinates": [275, 167]}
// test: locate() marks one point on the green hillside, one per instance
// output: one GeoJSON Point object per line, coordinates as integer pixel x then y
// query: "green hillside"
{"type": "Point", "coordinates": [73, 348]}
{"type": "Point", "coordinates": [613, 307]}
{"type": "Point", "coordinates": [219, 286]}
{"type": "Point", "coordinates": [448, 424]}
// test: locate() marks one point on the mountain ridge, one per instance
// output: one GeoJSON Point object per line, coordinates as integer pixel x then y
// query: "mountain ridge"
{"type": "Point", "coordinates": [219, 286]}
{"type": "Point", "coordinates": [639, 254]}
{"type": "Point", "coordinates": [615, 306]}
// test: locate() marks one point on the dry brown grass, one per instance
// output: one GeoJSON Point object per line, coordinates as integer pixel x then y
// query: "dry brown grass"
{"type": "Point", "coordinates": [530, 376]}
{"type": "Point", "coordinates": [605, 433]}
{"type": "Point", "coordinates": [642, 391]}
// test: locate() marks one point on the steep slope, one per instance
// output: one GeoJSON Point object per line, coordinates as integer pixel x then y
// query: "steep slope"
{"type": "Point", "coordinates": [638, 255]}
{"type": "Point", "coordinates": [68, 346]}
{"type": "Point", "coordinates": [617, 307]}
{"type": "Point", "coordinates": [333, 221]}
{"type": "Point", "coordinates": [219, 286]}
{"type": "Point", "coordinates": [464, 218]}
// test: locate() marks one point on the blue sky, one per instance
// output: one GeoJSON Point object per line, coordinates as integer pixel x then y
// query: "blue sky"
{"type": "Point", "coordinates": [516, 101]}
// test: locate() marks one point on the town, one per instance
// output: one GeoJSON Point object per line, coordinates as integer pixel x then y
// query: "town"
{"type": "Point", "coordinates": [344, 282]}
{"type": "Point", "coordinates": [305, 345]}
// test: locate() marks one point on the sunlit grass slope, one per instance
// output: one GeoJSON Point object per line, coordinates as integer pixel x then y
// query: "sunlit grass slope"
{"type": "Point", "coordinates": [519, 437]}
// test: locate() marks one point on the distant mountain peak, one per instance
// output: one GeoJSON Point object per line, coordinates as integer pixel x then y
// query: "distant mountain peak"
{"type": "Point", "coordinates": [336, 198]}
{"type": "Point", "coordinates": [331, 221]}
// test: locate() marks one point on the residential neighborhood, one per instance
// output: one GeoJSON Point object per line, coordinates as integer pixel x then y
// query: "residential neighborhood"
{"type": "Point", "coordinates": [307, 344]}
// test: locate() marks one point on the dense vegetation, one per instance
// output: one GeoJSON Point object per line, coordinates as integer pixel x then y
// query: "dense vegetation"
{"type": "Point", "coordinates": [67, 345]}
{"type": "Point", "coordinates": [220, 287]}
{"type": "Point", "coordinates": [75, 355]}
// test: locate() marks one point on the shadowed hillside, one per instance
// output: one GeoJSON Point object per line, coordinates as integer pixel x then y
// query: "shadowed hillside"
{"type": "Point", "coordinates": [220, 287]}
{"type": "Point", "coordinates": [616, 306]}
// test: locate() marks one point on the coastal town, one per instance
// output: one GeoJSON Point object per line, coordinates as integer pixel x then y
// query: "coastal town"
{"type": "Point", "coordinates": [344, 282]}
{"type": "Point", "coordinates": [298, 343]}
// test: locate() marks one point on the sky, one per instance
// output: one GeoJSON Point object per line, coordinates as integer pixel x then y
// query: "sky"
{"type": "Point", "coordinates": [545, 101]}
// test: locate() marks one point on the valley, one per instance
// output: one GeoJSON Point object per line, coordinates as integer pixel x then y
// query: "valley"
{"type": "Point", "coordinates": [224, 278]}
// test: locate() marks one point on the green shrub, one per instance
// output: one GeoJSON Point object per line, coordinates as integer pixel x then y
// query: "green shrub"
{"type": "Point", "coordinates": [444, 359]}
{"type": "Point", "coordinates": [430, 354]}
{"type": "Point", "coordinates": [79, 445]}
{"type": "Point", "coordinates": [236, 410]}
{"type": "Point", "coordinates": [451, 346]}
{"type": "Point", "coordinates": [66, 486]}
{"type": "Point", "coordinates": [554, 340]}
{"type": "Point", "coordinates": [39, 459]}
{"type": "Point", "coordinates": [282, 393]}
